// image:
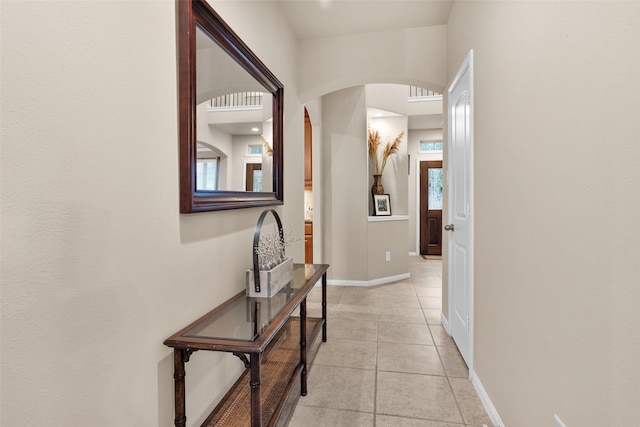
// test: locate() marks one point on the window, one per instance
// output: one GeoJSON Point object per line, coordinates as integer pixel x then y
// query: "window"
{"type": "Point", "coordinates": [208, 172]}
{"type": "Point", "coordinates": [435, 189]}
{"type": "Point", "coordinates": [430, 146]}
{"type": "Point", "coordinates": [254, 150]}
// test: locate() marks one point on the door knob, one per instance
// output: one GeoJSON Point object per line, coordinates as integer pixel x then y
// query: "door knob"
{"type": "Point", "coordinates": [449, 227]}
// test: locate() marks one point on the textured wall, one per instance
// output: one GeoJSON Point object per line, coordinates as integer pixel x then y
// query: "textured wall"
{"type": "Point", "coordinates": [344, 182]}
{"type": "Point", "coordinates": [414, 56]}
{"type": "Point", "coordinates": [557, 254]}
{"type": "Point", "coordinates": [98, 266]}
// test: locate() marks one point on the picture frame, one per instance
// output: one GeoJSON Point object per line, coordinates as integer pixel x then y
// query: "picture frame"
{"type": "Point", "coordinates": [381, 205]}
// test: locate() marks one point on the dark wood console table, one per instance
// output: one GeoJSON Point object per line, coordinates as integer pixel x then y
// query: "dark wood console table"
{"type": "Point", "coordinates": [263, 329]}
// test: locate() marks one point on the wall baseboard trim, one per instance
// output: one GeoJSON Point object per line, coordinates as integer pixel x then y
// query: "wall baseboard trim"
{"type": "Point", "coordinates": [482, 393]}
{"type": "Point", "coordinates": [380, 281]}
{"type": "Point", "coordinates": [486, 402]}
{"type": "Point", "coordinates": [445, 323]}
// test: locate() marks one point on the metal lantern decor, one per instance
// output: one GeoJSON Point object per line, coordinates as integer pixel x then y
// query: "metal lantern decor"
{"type": "Point", "coordinates": [271, 268]}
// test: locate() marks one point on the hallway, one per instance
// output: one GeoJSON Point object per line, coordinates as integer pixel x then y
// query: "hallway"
{"type": "Point", "coordinates": [388, 360]}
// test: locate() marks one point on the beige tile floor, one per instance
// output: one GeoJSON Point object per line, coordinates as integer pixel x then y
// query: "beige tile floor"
{"type": "Point", "coordinates": [388, 360]}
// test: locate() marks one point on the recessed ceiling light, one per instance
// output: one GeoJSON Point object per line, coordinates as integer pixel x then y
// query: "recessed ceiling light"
{"type": "Point", "coordinates": [255, 129]}
{"type": "Point", "coordinates": [378, 114]}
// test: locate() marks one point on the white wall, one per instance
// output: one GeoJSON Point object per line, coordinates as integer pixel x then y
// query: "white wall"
{"type": "Point", "coordinates": [344, 180]}
{"type": "Point", "coordinates": [557, 248]}
{"type": "Point", "coordinates": [383, 237]}
{"type": "Point", "coordinates": [388, 97]}
{"type": "Point", "coordinates": [411, 56]}
{"type": "Point", "coordinates": [98, 266]}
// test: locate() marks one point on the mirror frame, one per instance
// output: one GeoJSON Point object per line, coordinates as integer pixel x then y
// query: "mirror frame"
{"type": "Point", "coordinates": [198, 12]}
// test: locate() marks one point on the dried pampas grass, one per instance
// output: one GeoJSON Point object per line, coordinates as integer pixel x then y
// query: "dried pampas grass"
{"type": "Point", "coordinates": [266, 147]}
{"type": "Point", "coordinates": [374, 143]}
{"type": "Point", "coordinates": [389, 149]}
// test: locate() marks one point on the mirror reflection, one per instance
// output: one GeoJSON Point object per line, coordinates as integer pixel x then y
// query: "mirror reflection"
{"type": "Point", "coordinates": [234, 117]}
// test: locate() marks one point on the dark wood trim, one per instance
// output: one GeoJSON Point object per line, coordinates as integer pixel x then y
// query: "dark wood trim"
{"type": "Point", "coordinates": [256, 408]}
{"type": "Point", "coordinates": [303, 346]}
{"type": "Point", "coordinates": [261, 348]}
{"type": "Point", "coordinates": [198, 12]}
{"type": "Point", "coordinates": [308, 151]}
{"type": "Point", "coordinates": [430, 220]}
{"type": "Point", "coordinates": [179, 384]}
{"type": "Point", "coordinates": [313, 331]}
{"type": "Point", "coordinates": [186, 96]}
{"type": "Point", "coordinates": [324, 307]}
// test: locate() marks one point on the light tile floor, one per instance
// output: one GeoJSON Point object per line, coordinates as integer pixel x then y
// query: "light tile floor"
{"type": "Point", "coordinates": [388, 360]}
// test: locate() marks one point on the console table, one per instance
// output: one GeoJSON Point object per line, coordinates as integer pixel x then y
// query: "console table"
{"type": "Point", "coordinates": [275, 342]}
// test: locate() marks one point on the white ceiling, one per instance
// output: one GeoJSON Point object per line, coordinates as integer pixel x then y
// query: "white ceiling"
{"type": "Point", "coordinates": [329, 18]}
{"type": "Point", "coordinates": [310, 19]}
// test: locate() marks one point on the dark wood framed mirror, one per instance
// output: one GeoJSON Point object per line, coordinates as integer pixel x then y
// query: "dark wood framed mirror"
{"type": "Point", "coordinates": [230, 117]}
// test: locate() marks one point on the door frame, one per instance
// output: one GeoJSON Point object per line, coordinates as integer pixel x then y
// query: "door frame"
{"type": "Point", "coordinates": [419, 202]}
{"type": "Point", "coordinates": [432, 156]}
{"type": "Point", "coordinates": [467, 64]}
{"type": "Point", "coordinates": [246, 172]}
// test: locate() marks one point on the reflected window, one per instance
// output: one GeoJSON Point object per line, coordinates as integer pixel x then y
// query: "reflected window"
{"type": "Point", "coordinates": [208, 174]}
{"type": "Point", "coordinates": [255, 150]}
{"type": "Point", "coordinates": [257, 180]}
{"type": "Point", "coordinates": [430, 146]}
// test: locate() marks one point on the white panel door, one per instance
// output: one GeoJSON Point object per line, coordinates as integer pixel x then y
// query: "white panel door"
{"type": "Point", "coordinates": [460, 209]}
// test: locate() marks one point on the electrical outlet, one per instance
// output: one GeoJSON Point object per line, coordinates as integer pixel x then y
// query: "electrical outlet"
{"type": "Point", "coordinates": [388, 256]}
{"type": "Point", "coordinates": [558, 422]}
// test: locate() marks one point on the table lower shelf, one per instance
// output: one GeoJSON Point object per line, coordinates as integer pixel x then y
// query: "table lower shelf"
{"type": "Point", "coordinates": [280, 369]}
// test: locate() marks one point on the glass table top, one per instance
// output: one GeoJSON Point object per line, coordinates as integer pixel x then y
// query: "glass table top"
{"type": "Point", "coordinates": [244, 318]}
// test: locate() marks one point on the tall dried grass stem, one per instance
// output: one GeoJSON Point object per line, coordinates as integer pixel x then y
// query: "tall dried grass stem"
{"type": "Point", "coordinates": [374, 143]}
{"type": "Point", "coordinates": [389, 149]}
{"type": "Point", "coordinates": [266, 147]}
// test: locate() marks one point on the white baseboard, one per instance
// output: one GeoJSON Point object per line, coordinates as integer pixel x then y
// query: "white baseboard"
{"type": "Point", "coordinates": [482, 393]}
{"type": "Point", "coordinates": [445, 323]}
{"type": "Point", "coordinates": [374, 282]}
{"type": "Point", "coordinates": [486, 402]}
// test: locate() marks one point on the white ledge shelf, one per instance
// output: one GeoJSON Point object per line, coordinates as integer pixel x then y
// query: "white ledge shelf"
{"type": "Point", "coordinates": [389, 218]}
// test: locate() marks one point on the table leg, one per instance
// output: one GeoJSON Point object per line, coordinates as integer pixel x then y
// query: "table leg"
{"type": "Point", "coordinates": [303, 346]}
{"type": "Point", "coordinates": [324, 307]}
{"type": "Point", "coordinates": [178, 378]}
{"type": "Point", "coordinates": [256, 405]}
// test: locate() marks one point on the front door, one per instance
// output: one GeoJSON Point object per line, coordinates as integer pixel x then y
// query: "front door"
{"type": "Point", "coordinates": [253, 177]}
{"type": "Point", "coordinates": [460, 157]}
{"type": "Point", "coordinates": [431, 207]}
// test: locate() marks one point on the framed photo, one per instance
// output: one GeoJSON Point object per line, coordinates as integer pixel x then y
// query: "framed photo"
{"type": "Point", "coordinates": [381, 205]}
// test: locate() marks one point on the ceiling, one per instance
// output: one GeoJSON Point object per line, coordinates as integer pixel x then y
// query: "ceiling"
{"type": "Point", "coordinates": [329, 18]}
{"type": "Point", "coordinates": [311, 19]}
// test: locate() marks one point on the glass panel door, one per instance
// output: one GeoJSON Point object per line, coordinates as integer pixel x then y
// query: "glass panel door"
{"type": "Point", "coordinates": [435, 189]}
